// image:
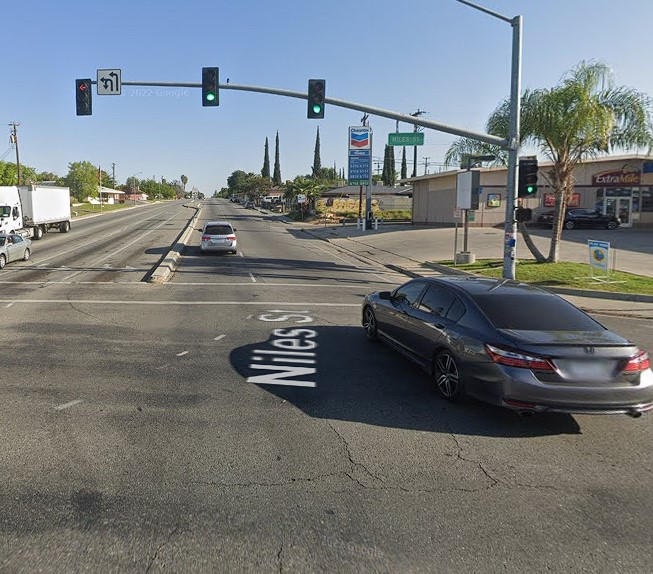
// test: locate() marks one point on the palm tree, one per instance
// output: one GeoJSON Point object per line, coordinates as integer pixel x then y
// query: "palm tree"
{"type": "Point", "coordinates": [585, 116]}
{"type": "Point", "coordinates": [184, 181]}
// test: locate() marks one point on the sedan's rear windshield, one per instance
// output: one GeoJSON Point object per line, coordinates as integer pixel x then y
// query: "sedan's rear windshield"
{"type": "Point", "coordinates": [534, 312]}
{"type": "Point", "coordinates": [218, 230]}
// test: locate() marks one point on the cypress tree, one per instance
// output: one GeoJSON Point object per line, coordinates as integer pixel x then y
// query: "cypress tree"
{"type": "Point", "coordinates": [404, 168]}
{"type": "Point", "coordinates": [265, 172]}
{"type": "Point", "coordinates": [385, 174]}
{"type": "Point", "coordinates": [276, 178]}
{"type": "Point", "coordinates": [317, 162]}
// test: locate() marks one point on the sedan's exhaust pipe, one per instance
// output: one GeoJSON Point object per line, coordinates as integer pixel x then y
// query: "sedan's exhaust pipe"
{"type": "Point", "coordinates": [525, 413]}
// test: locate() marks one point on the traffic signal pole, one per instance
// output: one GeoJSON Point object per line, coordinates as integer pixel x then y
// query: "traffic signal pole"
{"type": "Point", "coordinates": [512, 144]}
{"type": "Point", "coordinates": [406, 118]}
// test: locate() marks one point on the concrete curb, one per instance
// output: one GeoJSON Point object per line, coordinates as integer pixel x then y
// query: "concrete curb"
{"type": "Point", "coordinates": [171, 261]}
{"type": "Point", "coordinates": [615, 296]}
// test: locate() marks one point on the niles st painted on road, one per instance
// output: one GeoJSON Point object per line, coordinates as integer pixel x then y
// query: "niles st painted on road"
{"type": "Point", "coordinates": [289, 355]}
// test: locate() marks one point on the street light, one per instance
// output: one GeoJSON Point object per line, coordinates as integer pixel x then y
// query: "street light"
{"type": "Point", "coordinates": [134, 179]}
{"type": "Point", "coordinates": [510, 239]}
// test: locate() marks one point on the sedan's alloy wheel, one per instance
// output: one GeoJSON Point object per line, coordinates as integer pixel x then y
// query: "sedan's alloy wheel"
{"type": "Point", "coordinates": [447, 377]}
{"type": "Point", "coordinates": [369, 324]}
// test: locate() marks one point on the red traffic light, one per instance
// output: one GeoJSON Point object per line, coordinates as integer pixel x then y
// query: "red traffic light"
{"type": "Point", "coordinates": [83, 97]}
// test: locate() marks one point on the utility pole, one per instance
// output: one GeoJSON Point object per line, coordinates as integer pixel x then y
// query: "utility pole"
{"type": "Point", "coordinates": [113, 175]}
{"type": "Point", "coordinates": [416, 114]}
{"type": "Point", "coordinates": [13, 138]}
{"type": "Point", "coordinates": [426, 164]}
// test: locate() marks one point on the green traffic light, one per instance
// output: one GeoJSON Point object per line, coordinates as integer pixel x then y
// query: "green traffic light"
{"type": "Point", "coordinates": [317, 109]}
{"type": "Point", "coordinates": [210, 96]}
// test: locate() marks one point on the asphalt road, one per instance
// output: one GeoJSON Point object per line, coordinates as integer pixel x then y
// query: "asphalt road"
{"type": "Point", "coordinates": [170, 427]}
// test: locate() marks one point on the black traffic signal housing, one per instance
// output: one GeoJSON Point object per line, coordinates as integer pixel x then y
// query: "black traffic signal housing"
{"type": "Point", "coordinates": [83, 97]}
{"type": "Point", "coordinates": [210, 86]}
{"type": "Point", "coordinates": [316, 95]}
{"type": "Point", "coordinates": [527, 186]}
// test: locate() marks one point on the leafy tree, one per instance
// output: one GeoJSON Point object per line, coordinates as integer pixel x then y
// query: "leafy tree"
{"type": "Point", "coordinates": [317, 162]}
{"type": "Point", "coordinates": [151, 187]}
{"type": "Point", "coordinates": [249, 184]}
{"type": "Point", "coordinates": [235, 179]}
{"type": "Point", "coordinates": [276, 178]}
{"type": "Point", "coordinates": [82, 179]}
{"type": "Point", "coordinates": [309, 187]}
{"type": "Point", "coordinates": [265, 172]}
{"type": "Point", "coordinates": [584, 116]}
{"type": "Point", "coordinates": [9, 174]}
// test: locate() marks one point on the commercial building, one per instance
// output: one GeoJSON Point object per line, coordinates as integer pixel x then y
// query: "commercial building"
{"type": "Point", "coordinates": [620, 185]}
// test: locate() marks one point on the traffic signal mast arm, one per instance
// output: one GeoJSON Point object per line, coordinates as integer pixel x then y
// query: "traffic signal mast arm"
{"type": "Point", "coordinates": [418, 121]}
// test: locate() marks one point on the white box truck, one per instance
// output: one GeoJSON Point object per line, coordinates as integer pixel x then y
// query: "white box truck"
{"type": "Point", "coordinates": [33, 210]}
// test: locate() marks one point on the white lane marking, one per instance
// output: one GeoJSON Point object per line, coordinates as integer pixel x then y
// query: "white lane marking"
{"type": "Point", "coordinates": [103, 237]}
{"type": "Point", "coordinates": [241, 254]}
{"type": "Point", "coordinates": [197, 284]}
{"type": "Point", "coordinates": [70, 404]}
{"type": "Point", "coordinates": [8, 305]}
{"type": "Point", "coordinates": [252, 277]}
{"type": "Point", "coordinates": [359, 285]}
{"type": "Point", "coordinates": [125, 246]}
{"type": "Point", "coordinates": [182, 303]}
{"type": "Point", "coordinates": [219, 337]}
{"type": "Point", "coordinates": [182, 353]}
{"type": "Point", "coordinates": [42, 283]}
{"type": "Point", "coordinates": [249, 316]}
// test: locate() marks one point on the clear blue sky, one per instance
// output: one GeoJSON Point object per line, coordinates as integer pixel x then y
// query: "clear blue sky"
{"type": "Point", "coordinates": [436, 55]}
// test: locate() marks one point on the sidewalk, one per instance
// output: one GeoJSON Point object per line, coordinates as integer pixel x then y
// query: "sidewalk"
{"type": "Point", "coordinates": [411, 250]}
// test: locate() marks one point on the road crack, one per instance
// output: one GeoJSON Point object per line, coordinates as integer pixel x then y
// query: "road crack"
{"type": "Point", "coordinates": [460, 456]}
{"type": "Point", "coordinates": [354, 464]}
{"type": "Point", "coordinates": [160, 547]}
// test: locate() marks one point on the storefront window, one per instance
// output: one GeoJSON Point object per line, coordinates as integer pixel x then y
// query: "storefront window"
{"type": "Point", "coordinates": [646, 194]}
{"type": "Point", "coordinates": [636, 200]}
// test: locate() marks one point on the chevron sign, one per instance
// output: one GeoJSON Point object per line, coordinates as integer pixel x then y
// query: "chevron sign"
{"type": "Point", "coordinates": [359, 137]}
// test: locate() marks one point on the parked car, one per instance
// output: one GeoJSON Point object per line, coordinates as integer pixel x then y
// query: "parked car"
{"type": "Point", "coordinates": [218, 236]}
{"type": "Point", "coordinates": [580, 217]}
{"type": "Point", "coordinates": [250, 205]}
{"type": "Point", "coordinates": [511, 344]}
{"type": "Point", "coordinates": [14, 247]}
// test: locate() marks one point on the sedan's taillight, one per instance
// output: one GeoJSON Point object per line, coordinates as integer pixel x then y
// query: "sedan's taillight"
{"type": "Point", "coordinates": [231, 237]}
{"type": "Point", "coordinates": [513, 358]}
{"type": "Point", "coordinates": [206, 238]}
{"type": "Point", "coordinates": [637, 363]}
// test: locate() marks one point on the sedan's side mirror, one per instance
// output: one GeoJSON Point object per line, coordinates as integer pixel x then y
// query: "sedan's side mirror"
{"type": "Point", "coordinates": [385, 295]}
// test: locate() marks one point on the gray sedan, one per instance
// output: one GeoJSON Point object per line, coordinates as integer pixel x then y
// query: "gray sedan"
{"type": "Point", "coordinates": [511, 344]}
{"type": "Point", "coordinates": [13, 247]}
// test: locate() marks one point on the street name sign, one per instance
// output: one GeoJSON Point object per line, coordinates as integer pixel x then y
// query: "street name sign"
{"type": "Point", "coordinates": [408, 139]}
{"type": "Point", "coordinates": [109, 82]}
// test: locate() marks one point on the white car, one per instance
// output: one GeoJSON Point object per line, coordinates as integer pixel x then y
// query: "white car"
{"type": "Point", "coordinates": [218, 236]}
{"type": "Point", "coordinates": [13, 247]}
